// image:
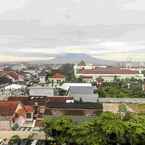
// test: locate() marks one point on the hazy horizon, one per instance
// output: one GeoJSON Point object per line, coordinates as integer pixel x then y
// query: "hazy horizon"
{"type": "Point", "coordinates": [41, 30]}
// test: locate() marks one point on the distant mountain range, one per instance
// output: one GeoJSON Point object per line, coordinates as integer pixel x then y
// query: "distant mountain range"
{"type": "Point", "coordinates": [76, 58]}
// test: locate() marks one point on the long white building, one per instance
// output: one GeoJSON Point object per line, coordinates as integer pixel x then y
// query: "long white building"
{"type": "Point", "coordinates": [91, 73]}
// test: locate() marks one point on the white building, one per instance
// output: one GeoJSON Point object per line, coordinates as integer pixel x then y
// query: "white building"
{"type": "Point", "coordinates": [106, 73]}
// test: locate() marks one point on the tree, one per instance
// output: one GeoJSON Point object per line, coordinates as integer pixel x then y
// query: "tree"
{"type": "Point", "coordinates": [104, 129]}
{"type": "Point", "coordinates": [82, 63]}
{"type": "Point", "coordinates": [15, 139]}
{"type": "Point", "coordinates": [136, 129]}
{"type": "Point", "coordinates": [123, 109]}
{"type": "Point", "coordinates": [68, 71]}
{"type": "Point", "coordinates": [15, 126]}
{"type": "Point", "coordinates": [120, 89]}
{"type": "Point", "coordinates": [79, 80]}
{"type": "Point", "coordinates": [59, 129]}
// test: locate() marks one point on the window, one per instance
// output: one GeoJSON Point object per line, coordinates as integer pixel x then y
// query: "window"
{"type": "Point", "coordinates": [29, 115]}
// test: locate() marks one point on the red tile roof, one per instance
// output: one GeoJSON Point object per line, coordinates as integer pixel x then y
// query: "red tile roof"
{"type": "Point", "coordinates": [7, 108]}
{"type": "Point", "coordinates": [12, 74]}
{"type": "Point", "coordinates": [28, 108]}
{"type": "Point", "coordinates": [108, 71]}
{"type": "Point", "coordinates": [58, 75]}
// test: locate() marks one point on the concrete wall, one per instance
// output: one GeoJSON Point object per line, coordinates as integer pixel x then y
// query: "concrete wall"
{"type": "Point", "coordinates": [81, 112]}
{"type": "Point", "coordinates": [22, 134]}
{"type": "Point", "coordinates": [111, 107]}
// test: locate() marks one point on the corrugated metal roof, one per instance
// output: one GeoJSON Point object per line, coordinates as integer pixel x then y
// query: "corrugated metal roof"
{"type": "Point", "coordinates": [66, 86]}
{"type": "Point", "coordinates": [84, 93]}
{"type": "Point", "coordinates": [86, 90]}
{"type": "Point", "coordinates": [41, 91]}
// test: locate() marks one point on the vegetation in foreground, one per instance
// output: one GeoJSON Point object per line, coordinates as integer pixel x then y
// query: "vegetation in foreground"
{"type": "Point", "coordinates": [106, 129]}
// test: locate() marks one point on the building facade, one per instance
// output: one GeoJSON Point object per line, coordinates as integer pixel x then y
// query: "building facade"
{"type": "Point", "coordinates": [92, 73]}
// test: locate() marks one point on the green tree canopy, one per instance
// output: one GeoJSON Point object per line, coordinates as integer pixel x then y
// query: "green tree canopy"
{"type": "Point", "coordinates": [105, 129]}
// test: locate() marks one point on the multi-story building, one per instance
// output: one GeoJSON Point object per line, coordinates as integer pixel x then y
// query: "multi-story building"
{"type": "Point", "coordinates": [91, 73]}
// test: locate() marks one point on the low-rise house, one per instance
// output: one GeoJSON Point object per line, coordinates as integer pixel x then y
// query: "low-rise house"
{"type": "Point", "coordinates": [83, 93]}
{"type": "Point", "coordinates": [38, 91]}
{"type": "Point", "coordinates": [22, 114]}
{"type": "Point", "coordinates": [16, 112]}
{"type": "Point", "coordinates": [33, 72]}
{"type": "Point", "coordinates": [42, 77]}
{"type": "Point", "coordinates": [57, 79]}
{"type": "Point", "coordinates": [14, 87]}
{"type": "Point", "coordinates": [4, 80]}
{"type": "Point", "coordinates": [12, 75]}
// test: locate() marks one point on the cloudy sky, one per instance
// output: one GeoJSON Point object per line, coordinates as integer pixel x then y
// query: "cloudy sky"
{"type": "Point", "coordinates": [42, 29]}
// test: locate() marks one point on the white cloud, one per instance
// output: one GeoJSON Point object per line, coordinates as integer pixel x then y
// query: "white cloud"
{"type": "Point", "coordinates": [104, 49]}
{"type": "Point", "coordinates": [122, 41]}
{"type": "Point", "coordinates": [8, 5]}
{"type": "Point", "coordinates": [12, 58]}
{"type": "Point", "coordinates": [39, 50]}
{"type": "Point", "coordinates": [121, 46]}
{"type": "Point", "coordinates": [137, 5]}
{"type": "Point", "coordinates": [121, 56]}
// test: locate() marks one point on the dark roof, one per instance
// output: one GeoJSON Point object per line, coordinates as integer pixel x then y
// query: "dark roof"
{"type": "Point", "coordinates": [87, 90]}
{"type": "Point", "coordinates": [74, 105]}
{"type": "Point", "coordinates": [59, 99]}
{"type": "Point", "coordinates": [40, 100]}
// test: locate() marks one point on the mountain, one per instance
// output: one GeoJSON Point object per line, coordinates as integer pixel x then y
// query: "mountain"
{"type": "Point", "coordinates": [76, 58]}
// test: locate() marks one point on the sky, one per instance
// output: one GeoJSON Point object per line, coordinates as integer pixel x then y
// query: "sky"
{"type": "Point", "coordinates": [43, 29]}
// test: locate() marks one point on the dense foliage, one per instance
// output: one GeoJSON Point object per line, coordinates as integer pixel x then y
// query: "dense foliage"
{"type": "Point", "coordinates": [14, 140]}
{"type": "Point", "coordinates": [128, 88]}
{"type": "Point", "coordinates": [68, 71]}
{"type": "Point", "coordinates": [106, 129]}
